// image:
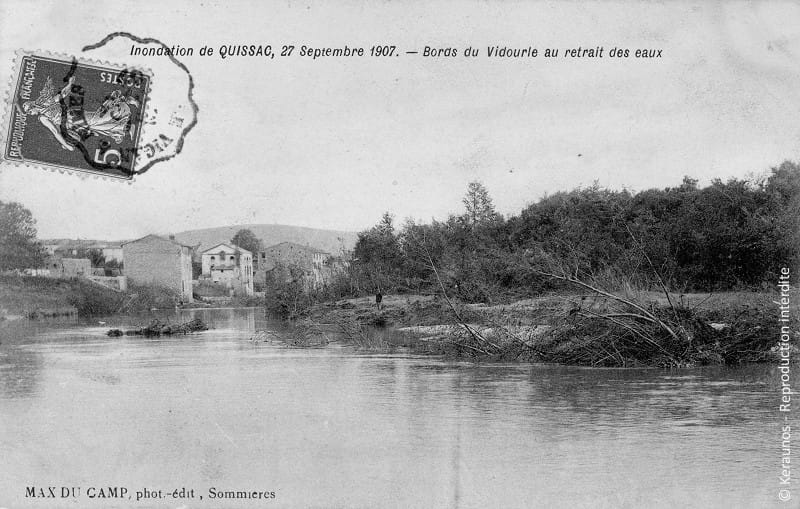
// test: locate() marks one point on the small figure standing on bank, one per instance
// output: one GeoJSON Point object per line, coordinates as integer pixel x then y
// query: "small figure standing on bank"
{"type": "Point", "coordinates": [379, 300]}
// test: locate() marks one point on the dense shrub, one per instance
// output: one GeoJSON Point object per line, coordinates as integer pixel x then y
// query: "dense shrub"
{"type": "Point", "coordinates": [288, 294]}
{"type": "Point", "coordinates": [93, 300]}
{"type": "Point", "coordinates": [728, 235]}
{"type": "Point", "coordinates": [147, 297]}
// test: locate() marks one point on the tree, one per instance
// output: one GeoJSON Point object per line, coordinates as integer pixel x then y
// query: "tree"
{"type": "Point", "coordinates": [287, 291]}
{"type": "Point", "coordinates": [378, 253]}
{"type": "Point", "coordinates": [97, 258]}
{"type": "Point", "coordinates": [246, 239]}
{"type": "Point", "coordinates": [480, 209]}
{"type": "Point", "coordinates": [19, 248]}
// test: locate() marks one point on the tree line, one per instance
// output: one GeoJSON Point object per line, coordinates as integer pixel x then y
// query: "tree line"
{"type": "Point", "coordinates": [733, 234]}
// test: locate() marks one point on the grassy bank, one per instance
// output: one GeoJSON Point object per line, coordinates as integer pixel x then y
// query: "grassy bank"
{"type": "Point", "coordinates": [37, 297]}
{"type": "Point", "coordinates": [31, 297]}
{"type": "Point", "coordinates": [579, 329]}
{"type": "Point", "coordinates": [41, 297]}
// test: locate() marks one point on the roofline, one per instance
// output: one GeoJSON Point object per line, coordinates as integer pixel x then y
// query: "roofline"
{"type": "Point", "coordinates": [232, 246]}
{"type": "Point", "coordinates": [158, 237]}
{"type": "Point", "coordinates": [310, 248]}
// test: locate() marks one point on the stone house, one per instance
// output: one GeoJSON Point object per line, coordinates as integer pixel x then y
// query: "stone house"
{"type": "Point", "coordinates": [291, 253]}
{"type": "Point", "coordinates": [111, 252]}
{"type": "Point", "coordinates": [156, 260]}
{"type": "Point", "coordinates": [313, 262]}
{"type": "Point", "coordinates": [229, 265]}
{"type": "Point", "coordinates": [68, 267]}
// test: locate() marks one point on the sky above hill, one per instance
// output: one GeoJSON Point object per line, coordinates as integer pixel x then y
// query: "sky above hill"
{"type": "Point", "coordinates": [334, 142]}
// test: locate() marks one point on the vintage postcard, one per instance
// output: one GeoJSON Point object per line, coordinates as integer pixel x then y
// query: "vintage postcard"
{"type": "Point", "coordinates": [395, 254]}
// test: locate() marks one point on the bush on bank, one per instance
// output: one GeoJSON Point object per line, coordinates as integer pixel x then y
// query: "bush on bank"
{"type": "Point", "coordinates": [733, 234]}
{"type": "Point", "coordinates": [94, 300]}
{"type": "Point", "coordinates": [35, 296]}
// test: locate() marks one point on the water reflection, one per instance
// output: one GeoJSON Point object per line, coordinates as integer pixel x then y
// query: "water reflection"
{"type": "Point", "coordinates": [20, 372]}
{"type": "Point", "coordinates": [336, 427]}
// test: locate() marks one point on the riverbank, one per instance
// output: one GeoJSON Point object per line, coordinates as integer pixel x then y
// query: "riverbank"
{"type": "Point", "coordinates": [33, 297]}
{"type": "Point", "coordinates": [629, 330]}
{"type": "Point", "coordinates": [578, 329]}
{"type": "Point", "coordinates": [36, 297]}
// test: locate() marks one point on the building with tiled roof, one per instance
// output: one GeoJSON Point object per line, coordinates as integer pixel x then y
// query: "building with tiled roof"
{"type": "Point", "coordinates": [229, 265]}
{"type": "Point", "coordinates": [157, 260]}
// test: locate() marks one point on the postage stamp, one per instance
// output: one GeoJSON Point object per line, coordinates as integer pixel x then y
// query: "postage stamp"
{"type": "Point", "coordinates": [73, 115]}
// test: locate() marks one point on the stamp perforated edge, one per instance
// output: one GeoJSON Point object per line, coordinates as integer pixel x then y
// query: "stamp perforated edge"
{"type": "Point", "coordinates": [83, 174]}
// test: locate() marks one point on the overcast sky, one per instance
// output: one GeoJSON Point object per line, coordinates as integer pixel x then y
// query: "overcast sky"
{"type": "Point", "coordinates": [333, 143]}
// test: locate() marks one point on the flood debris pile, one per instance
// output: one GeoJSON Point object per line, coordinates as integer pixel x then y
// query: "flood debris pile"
{"type": "Point", "coordinates": [365, 337]}
{"type": "Point", "coordinates": [364, 314]}
{"type": "Point", "coordinates": [488, 340]}
{"type": "Point", "coordinates": [305, 334]}
{"type": "Point", "coordinates": [606, 330]}
{"type": "Point", "coordinates": [582, 323]}
{"type": "Point", "coordinates": [159, 328]}
{"type": "Point", "coordinates": [301, 334]}
{"type": "Point", "coordinates": [614, 333]}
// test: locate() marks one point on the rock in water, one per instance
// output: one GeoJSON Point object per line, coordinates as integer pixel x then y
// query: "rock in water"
{"type": "Point", "coordinates": [157, 328]}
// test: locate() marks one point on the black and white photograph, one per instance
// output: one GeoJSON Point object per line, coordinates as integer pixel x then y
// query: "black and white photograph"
{"type": "Point", "coordinates": [396, 254]}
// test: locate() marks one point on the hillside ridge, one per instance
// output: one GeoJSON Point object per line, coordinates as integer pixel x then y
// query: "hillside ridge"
{"type": "Point", "coordinates": [332, 241]}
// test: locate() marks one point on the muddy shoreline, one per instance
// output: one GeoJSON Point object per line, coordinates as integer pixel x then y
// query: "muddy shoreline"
{"type": "Point", "coordinates": [728, 328]}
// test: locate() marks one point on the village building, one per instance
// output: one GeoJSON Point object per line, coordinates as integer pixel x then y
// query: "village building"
{"type": "Point", "coordinates": [77, 248]}
{"type": "Point", "coordinates": [312, 261]}
{"type": "Point", "coordinates": [50, 248]}
{"type": "Point", "coordinates": [57, 266]}
{"type": "Point", "coordinates": [68, 250]}
{"type": "Point", "coordinates": [157, 260]}
{"type": "Point", "coordinates": [291, 253]}
{"type": "Point", "coordinates": [110, 252]}
{"type": "Point", "coordinates": [228, 265]}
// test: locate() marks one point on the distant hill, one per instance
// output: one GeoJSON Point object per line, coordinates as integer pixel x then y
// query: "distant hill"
{"type": "Point", "coordinates": [81, 243]}
{"type": "Point", "coordinates": [271, 234]}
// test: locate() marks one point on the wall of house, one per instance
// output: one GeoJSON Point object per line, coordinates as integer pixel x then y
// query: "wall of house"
{"type": "Point", "coordinates": [76, 267]}
{"type": "Point", "coordinates": [112, 253]}
{"type": "Point", "coordinates": [68, 267]}
{"type": "Point", "coordinates": [240, 279]}
{"type": "Point", "coordinates": [162, 262]}
{"type": "Point", "coordinates": [290, 253]}
{"type": "Point", "coordinates": [186, 275]}
{"type": "Point", "coordinates": [246, 269]}
{"type": "Point", "coordinates": [224, 276]}
{"type": "Point", "coordinates": [221, 256]}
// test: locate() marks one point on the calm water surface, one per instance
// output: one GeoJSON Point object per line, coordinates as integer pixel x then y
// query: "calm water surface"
{"type": "Point", "coordinates": [337, 428]}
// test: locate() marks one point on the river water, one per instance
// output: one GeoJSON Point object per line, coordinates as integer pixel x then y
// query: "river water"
{"type": "Point", "coordinates": [332, 427]}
